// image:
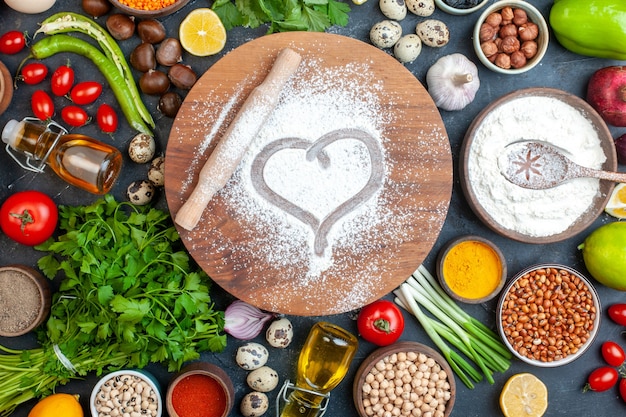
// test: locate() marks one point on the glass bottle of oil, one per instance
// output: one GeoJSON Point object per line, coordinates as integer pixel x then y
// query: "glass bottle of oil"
{"type": "Point", "coordinates": [80, 160]}
{"type": "Point", "coordinates": [323, 363]}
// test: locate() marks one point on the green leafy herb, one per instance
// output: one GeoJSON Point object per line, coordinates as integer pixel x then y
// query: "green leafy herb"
{"type": "Point", "coordinates": [283, 15]}
{"type": "Point", "coordinates": [129, 296]}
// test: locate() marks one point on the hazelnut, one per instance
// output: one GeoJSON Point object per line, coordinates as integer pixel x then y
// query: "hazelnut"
{"type": "Point", "coordinates": [519, 17]}
{"type": "Point", "coordinates": [494, 19]}
{"type": "Point", "coordinates": [510, 44]}
{"type": "Point", "coordinates": [528, 31]}
{"type": "Point", "coordinates": [487, 32]}
{"type": "Point", "coordinates": [507, 14]}
{"type": "Point", "coordinates": [489, 48]}
{"type": "Point", "coordinates": [503, 61]}
{"type": "Point", "coordinates": [529, 49]}
{"type": "Point", "coordinates": [507, 30]}
{"type": "Point", "coordinates": [498, 42]}
{"type": "Point", "coordinates": [518, 60]}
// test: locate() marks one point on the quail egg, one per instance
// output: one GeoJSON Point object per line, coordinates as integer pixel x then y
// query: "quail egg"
{"type": "Point", "coordinates": [408, 48]}
{"type": "Point", "coordinates": [263, 379]}
{"type": "Point", "coordinates": [421, 7]}
{"type": "Point", "coordinates": [280, 333]}
{"type": "Point", "coordinates": [254, 404]}
{"type": "Point", "coordinates": [156, 173]}
{"type": "Point", "coordinates": [140, 193]}
{"type": "Point", "coordinates": [141, 148]}
{"type": "Point", "coordinates": [30, 6]}
{"type": "Point", "coordinates": [393, 9]}
{"type": "Point", "coordinates": [433, 33]}
{"type": "Point", "coordinates": [251, 356]}
{"type": "Point", "coordinates": [385, 34]}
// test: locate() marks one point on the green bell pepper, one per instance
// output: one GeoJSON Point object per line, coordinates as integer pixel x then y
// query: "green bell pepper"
{"type": "Point", "coordinates": [591, 27]}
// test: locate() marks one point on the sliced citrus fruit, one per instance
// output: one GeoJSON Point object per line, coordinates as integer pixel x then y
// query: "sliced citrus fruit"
{"type": "Point", "coordinates": [202, 33]}
{"type": "Point", "coordinates": [616, 206]}
{"type": "Point", "coordinates": [524, 395]}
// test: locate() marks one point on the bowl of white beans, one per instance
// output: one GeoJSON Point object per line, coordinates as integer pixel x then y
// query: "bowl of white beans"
{"type": "Point", "coordinates": [402, 377]}
{"type": "Point", "coordinates": [126, 393]}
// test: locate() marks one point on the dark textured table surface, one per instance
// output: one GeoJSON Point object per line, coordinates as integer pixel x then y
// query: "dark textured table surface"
{"type": "Point", "coordinates": [559, 69]}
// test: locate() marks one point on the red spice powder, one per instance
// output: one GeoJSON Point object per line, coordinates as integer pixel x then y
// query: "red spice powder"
{"type": "Point", "coordinates": [198, 395]}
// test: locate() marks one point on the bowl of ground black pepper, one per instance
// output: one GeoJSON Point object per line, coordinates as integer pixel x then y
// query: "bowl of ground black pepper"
{"type": "Point", "coordinates": [460, 7]}
{"type": "Point", "coordinates": [24, 300]}
{"type": "Point", "coordinates": [548, 315]}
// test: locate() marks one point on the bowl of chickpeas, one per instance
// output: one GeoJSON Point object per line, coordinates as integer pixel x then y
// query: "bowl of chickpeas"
{"type": "Point", "coordinates": [511, 37]}
{"type": "Point", "coordinates": [396, 379]}
{"type": "Point", "coordinates": [548, 315]}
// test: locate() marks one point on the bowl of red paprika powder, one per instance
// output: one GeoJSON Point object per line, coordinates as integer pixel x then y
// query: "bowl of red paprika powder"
{"type": "Point", "coordinates": [471, 269]}
{"type": "Point", "coordinates": [200, 387]}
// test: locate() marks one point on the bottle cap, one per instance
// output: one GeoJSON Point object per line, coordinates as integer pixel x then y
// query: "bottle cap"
{"type": "Point", "coordinates": [11, 131]}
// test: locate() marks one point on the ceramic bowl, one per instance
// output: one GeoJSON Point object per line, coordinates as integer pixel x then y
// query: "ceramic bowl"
{"type": "Point", "coordinates": [141, 386]}
{"type": "Point", "coordinates": [224, 400]}
{"type": "Point", "coordinates": [24, 300]}
{"type": "Point", "coordinates": [473, 170]}
{"type": "Point", "coordinates": [473, 279]}
{"type": "Point", "coordinates": [441, 4]}
{"type": "Point", "coordinates": [6, 87]}
{"type": "Point", "coordinates": [540, 329]}
{"type": "Point", "coordinates": [391, 352]}
{"type": "Point", "coordinates": [533, 15]}
{"type": "Point", "coordinates": [149, 14]}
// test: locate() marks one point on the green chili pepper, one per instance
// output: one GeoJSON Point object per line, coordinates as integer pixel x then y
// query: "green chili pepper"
{"type": "Point", "coordinates": [63, 43]}
{"type": "Point", "coordinates": [591, 27]}
{"type": "Point", "coordinates": [73, 22]}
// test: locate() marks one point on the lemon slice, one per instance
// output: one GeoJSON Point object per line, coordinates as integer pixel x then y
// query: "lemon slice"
{"type": "Point", "coordinates": [617, 204]}
{"type": "Point", "coordinates": [524, 395]}
{"type": "Point", "coordinates": [202, 33]}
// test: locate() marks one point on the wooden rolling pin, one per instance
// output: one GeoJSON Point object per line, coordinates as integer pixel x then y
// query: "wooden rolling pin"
{"type": "Point", "coordinates": [229, 151]}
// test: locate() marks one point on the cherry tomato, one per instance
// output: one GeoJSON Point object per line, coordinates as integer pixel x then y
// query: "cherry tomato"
{"type": "Point", "coordinates": [12, 42]}
{"type": "Point", "coordinates": [74, 116]}
{"type": "Point", "coordinates": [42, 105]}
{"type": "Point", "coordinates": [34, 73]}
{"type": "Point", "coordinates": [622, 389]}
{"type": "Point", "coordinates": [106, 118]}
{"type": "Point", "coordinates": [29, 217]}
{"type": "Point", "coordinates": [602, 379]}
{"type": "Point", "coordinates": [613, 353]}
{"type": "Point", "coordinates": [617, 313]}
{"type": "Point", "coordinates": [86, 92]}
{"type": "Point", "coordinates": [380, 322]}
{"type": "Point", "coordinates": [62, 80]}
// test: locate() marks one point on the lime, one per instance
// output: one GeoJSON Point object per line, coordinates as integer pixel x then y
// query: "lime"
{"type": "Point", "coordinates": [604, 253]}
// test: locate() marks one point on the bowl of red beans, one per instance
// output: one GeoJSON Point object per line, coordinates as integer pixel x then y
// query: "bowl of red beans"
{"type": "Point", "coordinates": [149, 8]}
{"type": "Point", "coordinates": [548, 315]}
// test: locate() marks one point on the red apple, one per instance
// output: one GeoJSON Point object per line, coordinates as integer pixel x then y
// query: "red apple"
{"type": "Point", "coordinates": [606, 92]}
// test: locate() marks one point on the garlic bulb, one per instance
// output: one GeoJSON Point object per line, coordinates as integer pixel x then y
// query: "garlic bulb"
{"type": "Point", "coordinates": [452, 82]}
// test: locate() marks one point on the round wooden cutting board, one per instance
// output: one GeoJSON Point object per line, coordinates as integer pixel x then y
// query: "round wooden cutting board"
{"type": "Point", "coordinates": [369, 252]}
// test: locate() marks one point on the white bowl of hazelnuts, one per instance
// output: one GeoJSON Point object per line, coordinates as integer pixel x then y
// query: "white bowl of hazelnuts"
{"type": "Point", "coordinates": [511, 37]}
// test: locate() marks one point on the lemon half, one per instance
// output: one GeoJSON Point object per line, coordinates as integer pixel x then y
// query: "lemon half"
{"type": "Point", "coordinates": [202, 33]}
{"type": "Point", "coordinates": [524, 395]}
{"type": "Point", "coordinates": [616, 206]}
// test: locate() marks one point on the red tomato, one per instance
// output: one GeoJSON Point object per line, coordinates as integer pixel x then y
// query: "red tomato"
{"type": "Point", "coordinates": [602, 379]}
{"type": "Point", "coordinates": [617, 313]}
{"type": "Point", "coordinates": [62, 80]}
{"type": "Point", "coordinates": [622, 389]}
{"type": "Point", "coordinates": [86, 92]}
{"type": "Point", "coordinates": [34, 73]}
{"type": "Point", "coordinates": [74, 116]}
{"type": "Point", "coordinates": [380, 322]}
{"type": "Point", "coordinates": [42, 105]}
{"type": "Point", "coordinates": [613, 353]}
{"type": "Point", "coordinates": [12, 42]}
{"type": "Point", "coordinates": [29, 217]}
{"type": "Point", "coordinates": [106, 118]}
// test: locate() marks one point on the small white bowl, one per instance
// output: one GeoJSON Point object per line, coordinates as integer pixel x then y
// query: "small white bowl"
{"type": "Point", "coordinates": [459, 11]}
{"type": "Point", "coordinates": [534, 15]}
{"type": "Point", "coordinates": [143, 376]}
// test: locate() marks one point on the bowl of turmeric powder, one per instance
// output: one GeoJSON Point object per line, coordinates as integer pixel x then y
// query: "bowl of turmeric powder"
{"type": "Point", "coordinates": [471, 269]}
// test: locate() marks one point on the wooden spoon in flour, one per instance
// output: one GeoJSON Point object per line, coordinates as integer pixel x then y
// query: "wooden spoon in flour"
{"type": "Point", "coordinates": [229, 151]}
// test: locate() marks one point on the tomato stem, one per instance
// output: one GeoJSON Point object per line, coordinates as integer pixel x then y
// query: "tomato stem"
{"type": "Point", "coordinates": [25, 218]}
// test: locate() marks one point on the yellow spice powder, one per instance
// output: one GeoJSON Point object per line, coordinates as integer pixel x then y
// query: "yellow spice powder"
{"type": "Point", "coordinates": [472, 269]}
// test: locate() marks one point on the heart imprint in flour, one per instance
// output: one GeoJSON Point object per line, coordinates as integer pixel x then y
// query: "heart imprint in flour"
{"type": "Point", "coordinates": [336, 173]}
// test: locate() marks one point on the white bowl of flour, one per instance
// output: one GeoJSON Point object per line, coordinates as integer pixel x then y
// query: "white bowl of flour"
{"type": "Point", "coordinates": [536, 216]}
